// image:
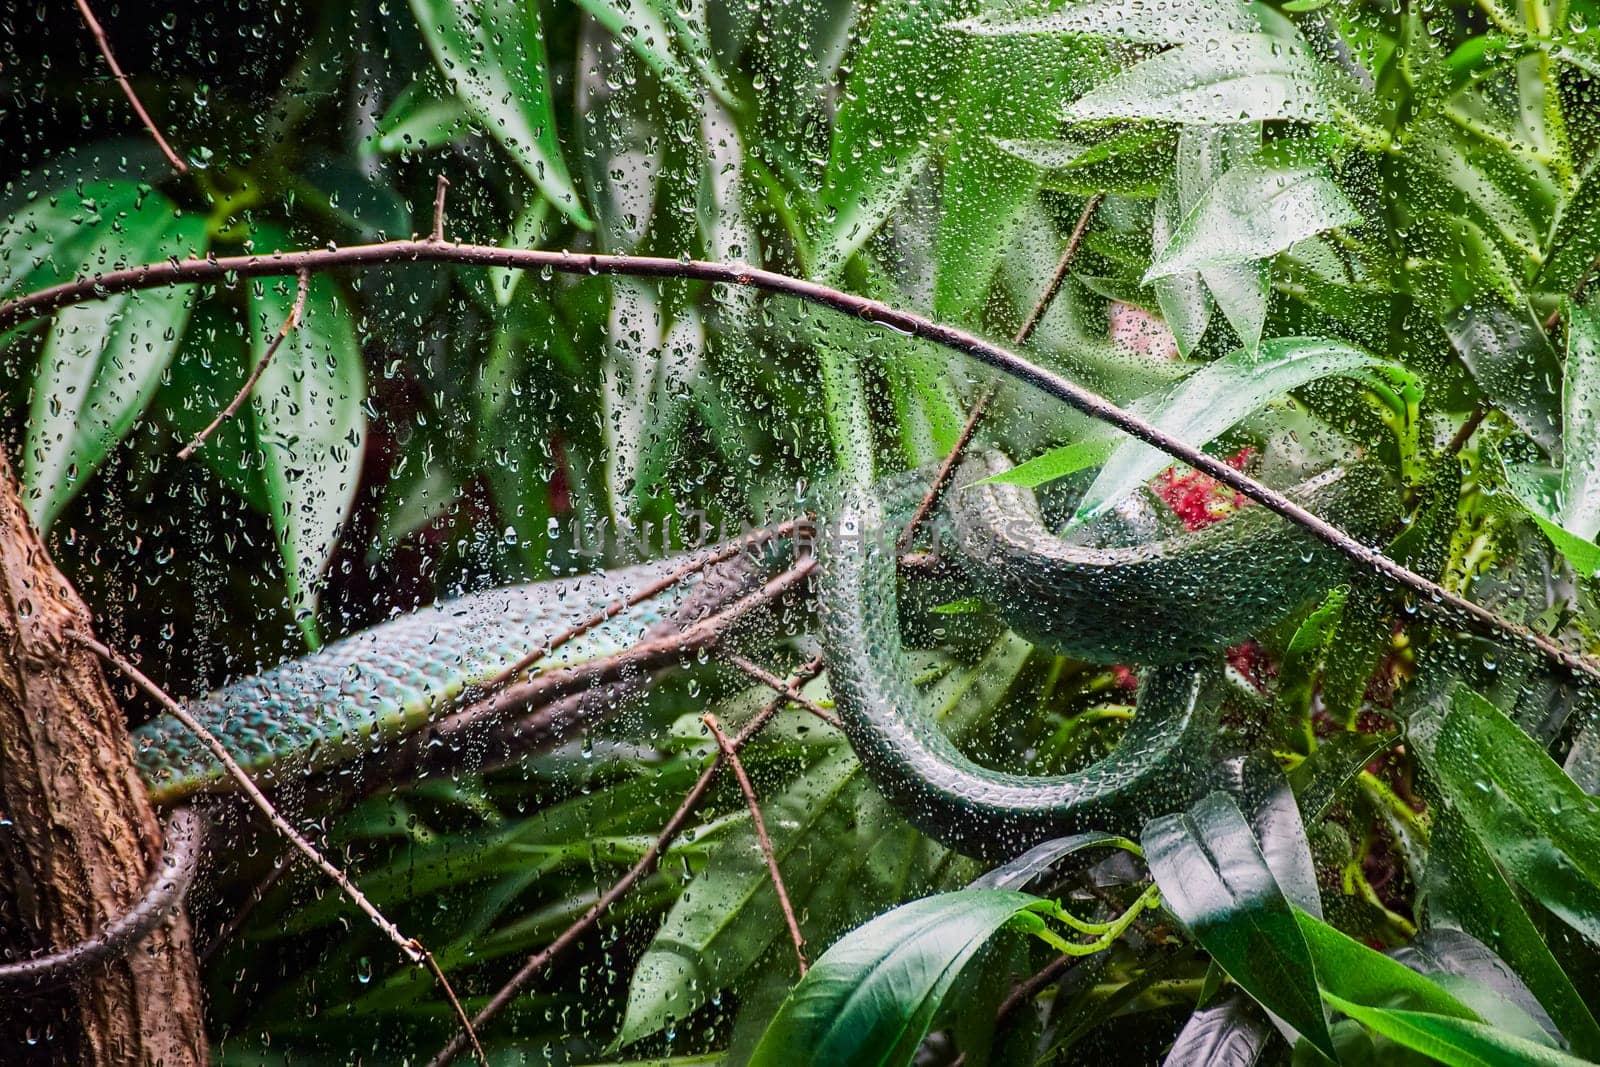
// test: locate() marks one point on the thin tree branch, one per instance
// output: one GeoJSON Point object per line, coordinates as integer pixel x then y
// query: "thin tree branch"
{"type": "Point", "coordinates": [784, 686]}
{"type": "Point", "coordinates": [251, 790]}
{"type": "Point", "coordinates": [437, 237]}
{"type": "Point", "coordinates": [1466, 430]}
{"type": "Point", "coordinates": [163, 894]}
{"type": "Point", "coordinates": [731, 755]}
{"type": "Point", "coordinates": [455, 1003]}
{"type": "Point", "coordinates": [1431, 595]}
{"type": "Point", "coordinates": [127, 88]}
{"type": "Point", "coordinates": [646, 863]}
{"type": "Point", "coordinates": [289, 325]}
{"type": "Point", "coordinates": [941, 481]}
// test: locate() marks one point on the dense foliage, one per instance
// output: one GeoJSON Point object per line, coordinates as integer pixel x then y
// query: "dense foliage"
{"type": "Point", "coordinates": [1318, 228]}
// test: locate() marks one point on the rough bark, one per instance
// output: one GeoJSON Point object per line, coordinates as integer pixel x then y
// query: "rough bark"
{"type": "Point", "coordinates": [77, 833]}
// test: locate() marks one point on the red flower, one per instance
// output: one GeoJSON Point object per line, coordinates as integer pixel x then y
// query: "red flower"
{"type": "Point", "coordinates": [1199, 499]}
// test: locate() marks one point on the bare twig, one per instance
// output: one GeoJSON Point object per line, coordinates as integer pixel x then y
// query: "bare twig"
{"type": "Point", "coordinates": [730, 754]}
{"type": "Point", "coordinates": [127, 88]}
{"type": "Point", "coordinates": [1430, 594]}
{"type": "Point", "coordinates": [455, 1003]}
{"type": "Point", "coordinates": [168, 883]}
{"type": "Point", "coordinates": [289, 325]}
{"type": "Point", "coordinates": [1466, 430]}
{"type": "Point", "coordinates": [646, 863]}
{"type": "Point", "coordinates": [941, 481]}
{"type": "Point", "coordinates": [437, 237]}
{"type": "Point", "coordinates": [784, 686]}
{"type": "Point", "coordinates": [1577, 295]}
{"type": "Point", "coordinates": [257, 797]}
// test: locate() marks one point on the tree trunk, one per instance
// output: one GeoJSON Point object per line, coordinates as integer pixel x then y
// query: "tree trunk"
{"type": "Point", "coordinates": [77, 833]}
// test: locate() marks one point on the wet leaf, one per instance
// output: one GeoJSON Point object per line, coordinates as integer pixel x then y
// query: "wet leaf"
{"type": "Point", "coordinates": [103, 359]}
{"type": "Point", "coordinates": [493, 53]}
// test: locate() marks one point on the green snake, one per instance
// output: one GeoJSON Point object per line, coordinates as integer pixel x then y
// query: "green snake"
{"type": "Point", "coordinates": [1166, 604]}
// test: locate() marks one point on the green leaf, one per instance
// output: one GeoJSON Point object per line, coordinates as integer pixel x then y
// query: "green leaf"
{"type": "Point", "coordinates": [1081, 455]}
{"type": "Point", "coordinates": [527, 231]}
{"type": "Point", "coordinates": [1457, 1042]}
{"type": "Point", "coordinates": [1538, 489]}
{"type": "Point", "coordinates": [1575, 235]}
{"type": "Point", "coordinates": [1017, 873]}
{"type": "Point", "coordinates": [103, 359]}
{"type": "Point", "coordinates": [1184, 300]}
{"type": "Point", "coordinates": [649, 29]}
{"type": "Point", "coordinates": [1198, 22]}
{"type": "Point", "coordinates": [1258, 786]}
{"type": "Point", "coordinates": [1135, 163]}
{"type": "Point", "coordinates": [1214, 879]}
{"type": "Point", "coordinates": [492, 52]}
{"type": "Point", "coordinates": [1539, 826]}
{"type": "Point", "coordinates": [1254, 211]}
{"type": "Point", "coordinates": [1353, 972]}
{"type": "Point", "coordinates": [310, 422]}
{"type": "Point", "coordinates": [1230, 79]}
{"type": "Point", "coordinates": [894, 106]}
{"type": "Point", "coordinates": [1218, 396]}
{"type": "Point", "coordinates": [1012, 89]}
{"type": "Point", "coordinates": [872, 996]}
{"type": "Point", "coordinates": [1580, 424]}
{"type": "Point", "coordinates": [421, 119]}
{"type": "Point", "coordinates": [728, 915]}
{"type": "Point", "coordinates": [1463, 886]}
{"type": "Point", "coordinates": [1230, 1031]}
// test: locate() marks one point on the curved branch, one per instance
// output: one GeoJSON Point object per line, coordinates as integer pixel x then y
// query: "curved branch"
{"type": "Point", "coordinates": [1473, 616]}
{"type": "Point", "coordinates": [174, 873]}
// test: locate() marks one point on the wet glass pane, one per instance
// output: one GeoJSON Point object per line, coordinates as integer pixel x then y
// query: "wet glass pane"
{"type": "Point", "coordinates": [800, 532]}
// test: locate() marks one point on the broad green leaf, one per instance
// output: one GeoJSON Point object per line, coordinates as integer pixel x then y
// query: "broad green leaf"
{"type": "Point", "coordinates": [1539, 826]}
{"type": "Point", "coordinates": [1254, 211]}
{"type": "Point", "coordinates": [1135, 163]}
{"type": "Point", "coordinates": [527, 231]}
{"type": "Point", "coordinates": [1214, 879]}
{"type": "Point", "coordinates": [1233, 79]}
{"type": "Point", "coordinates": [1219, 395]}
{"type": "Point", "coordinates": [1447, 1040]}
{"type": "Point", "coordinates": [1241, 291]}
{"type": "Point", "coordinates": [421, 119]}
{"type": "Point", "coordinates": [643, 25]}
{"type": "Point", "coordinates": [894, 106]}
{"type": "Point", "coordinates": [1538, 489]}
{"type": "Point", "coordinates": [1580, 423]}
{"type": "Point", "coordinates": [1231, 1032]}
{"type": "Point", "coordinates": [1017, 873]}
{"type": "Point", "coordinates": [1138, 21]}
{"type": "Point", "coordinates": [1464, 886]}
{"type": "Point", "coordinates": [872, 996]}
{"type": "Point", "coordinates": [1574, 241]}
{"type": "Point", "coordinates": [211, 364]}
{"type": "Point", "coordinates": [103, 359]}
{"type": "Point", "coordinates": [310, 423]}
{"type": "Point", "coordinates": [492, 52]}
{"type": "Point", "coordinates": [729, 914]}
{"type": "Point", "coordinates": [1259, 787]}
{"type": "Point", "coordinates": [1058, 462]}
{"type": "Point", "coordinates": [1184, 299]}
{"type": "Point", "coordinates": [1012, 89]}
{"type": "Point", "coordinates": [1351, 971]}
